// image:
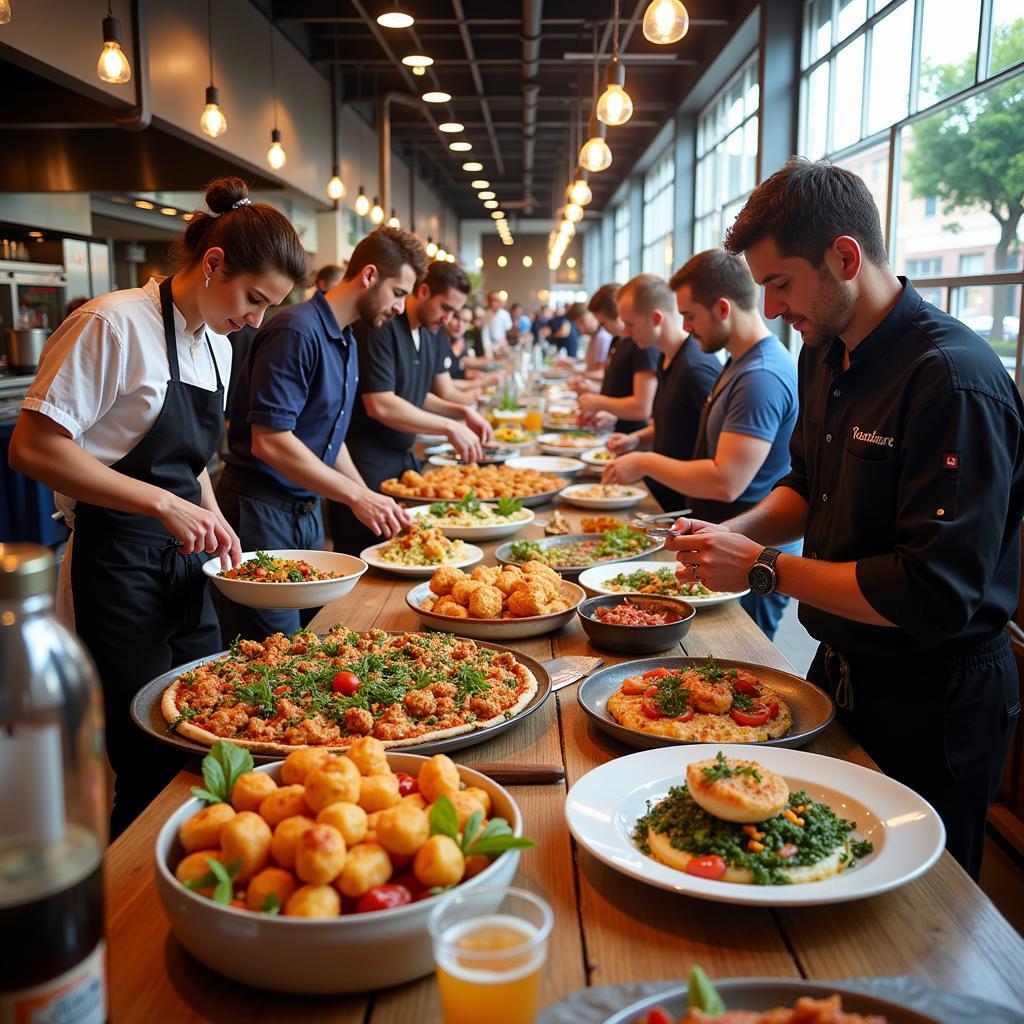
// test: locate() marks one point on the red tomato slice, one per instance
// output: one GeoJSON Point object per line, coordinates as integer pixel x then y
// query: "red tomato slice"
{"type": "Point", "coordinates": [686, 715]}
{"type": "Point", "coordinates": [773, 708]}
{"type": "Point", "coordinates": [407, 783]}
{"type": "Point", "coordinates": [346, 683]}
{"type": "Point", "coordinates": [656, 1015]}
{"type": "Point", "coordinates": [712, 867]}
{"type": "Point", "coordinates": [649, 707]}
{"type": "Point", "coordinates": [742, 685]}
{"type": "Point", "coordinates": [278, 690]}
{"type": "Point", "coordinates": [383, 897]}
{"type": "Point", "coordinates": [756, 714]}
{"type": "Point", "coordinates": [657, 673]}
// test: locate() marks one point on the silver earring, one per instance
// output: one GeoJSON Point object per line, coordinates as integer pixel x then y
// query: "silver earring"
{"type": "Point", "coordinates": [207, 285]}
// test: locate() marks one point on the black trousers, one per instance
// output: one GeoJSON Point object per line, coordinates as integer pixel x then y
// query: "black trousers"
{"type": "Point", "coordinates": [141, 609]}
{"type": "Point", "coordinates": [939, 722]}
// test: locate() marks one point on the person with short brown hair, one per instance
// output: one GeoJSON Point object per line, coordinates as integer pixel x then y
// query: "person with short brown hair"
{"type": "Point", "coordinates": [328, 276]}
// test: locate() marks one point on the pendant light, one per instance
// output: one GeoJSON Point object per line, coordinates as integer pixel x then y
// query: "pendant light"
{"type": "Point", "coordinates": [419, 62]}
{"type": "Point", "coordinates": [5, 12]}
{"type": "Point", "coordinates": [395, 18]}
{"type": "Point", "coordinates": [441, 255]}
{"type": "Point", "coordinates": [376, 212]}
{"type": "Point", "coordinates": [113, 65]}
{"type": "Point", "coordinates": [393, 221]}
{"type": "Point", "coordinates": [276, 155]}
{"type": "Point", "coordinates": [573, 212]}
{"type": "Point", "coordinates": [595, 156]}
{"type": "Point", "coordinates": [335, 187]}
{"type": "Point", "coordinates": [615, 107]}
{"type": "Point", "coordinates": [362, 203]}
{"type": "Point", "coordinates": [579, 190]}
{"type": "Point", "coordinates": [212, 120]}
{"type": "Point", "coordinates": [665, 21]}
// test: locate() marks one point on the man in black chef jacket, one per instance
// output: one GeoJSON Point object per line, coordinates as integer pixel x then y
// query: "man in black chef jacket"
{"type": "Point", "coordinates": [907, 482]}
{"type": "Point", "coordinates": [405, 389]}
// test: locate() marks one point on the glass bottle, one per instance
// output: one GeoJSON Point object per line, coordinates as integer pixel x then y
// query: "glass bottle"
{"type": "Point", "coordinates": [52, 790]}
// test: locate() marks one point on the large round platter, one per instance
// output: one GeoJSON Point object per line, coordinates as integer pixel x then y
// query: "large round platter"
{"type": "Point", "coordinates": [549, 443]}
{"type": "Point", "coordinates": [761, 994]}
{"type": "Point", "coordinates": [496, 531]}
{"type": "Point", "coordinates": [443, 455]}
{"type": "Point", "coordinates": [312, 594]}
{"type": "Point", "coordinates": [504, 553]}
{"type": "Point", "coordinates": [371, 556]}
{"type": "Point", "coordinates": [576, 494]}
{"type": "Point", "coordinates": [908, 836]}
{"type": "Point", "coordinates": [146, 713]}
{"type": "Point", "coordinates": [593, 579]}
{"type": "Point", "coordinates": [351, 953]}
{"type": "Point", "coordinates": [495, 629]}
{"type": "Point", "coordinates": [813, 709]}
{"type": "Point", "coordinates": [560, 465]}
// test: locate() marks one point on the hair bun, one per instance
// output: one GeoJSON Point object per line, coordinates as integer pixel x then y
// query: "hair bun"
{"type": "Point", "coordinates": [222, 194]}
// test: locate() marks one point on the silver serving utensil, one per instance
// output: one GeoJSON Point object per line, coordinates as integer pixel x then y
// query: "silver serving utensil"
{"type": "Point", "coordinates": [648, 524]}
{"type": "Point", "coordinates": [570, 668]}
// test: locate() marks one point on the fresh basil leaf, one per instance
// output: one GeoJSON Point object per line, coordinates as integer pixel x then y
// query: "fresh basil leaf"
{"type": "Point", "coordinates": [271, 904]}
{"type": "Point", "coordinates": [497, 827]}
{"type": "Point", "coordinates": [703, 994]}
{"type": "Point", "coordinates": [443, 819]}
{"type": "Point", "coordinates": [214, 777]}
{"type": "Point", "coordinates": [205, 794]}
{"type": "Point", "coordinates": [225, 880]}
{"type": "Point", "coordinates": [202, 883]}
{"type": "Point", "coordinates": [239, 763]}
{"type": "Point", "coordinates": [438, 508]}
{"type": "Point", "coordinates": [471, 828]}
{"type": "Point", "coordinates": [499, 844]}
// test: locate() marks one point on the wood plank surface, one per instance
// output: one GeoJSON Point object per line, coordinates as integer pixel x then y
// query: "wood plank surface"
{"type": "Point", "coordinates": [608, 928]}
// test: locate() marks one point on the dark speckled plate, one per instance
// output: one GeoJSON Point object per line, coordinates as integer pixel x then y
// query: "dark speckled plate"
{"type": "Point", "coordinates": [812, 708]}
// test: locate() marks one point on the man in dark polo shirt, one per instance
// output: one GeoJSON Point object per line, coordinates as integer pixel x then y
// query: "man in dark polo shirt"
{"type": "Point", "coordinates": [686, 375]}
{"type": "Point", "coordinates": [405, 389]}
{"type": "Point", "coordinates": [907, 483]}
{"type": "Point", "coordinates": [290, 414]}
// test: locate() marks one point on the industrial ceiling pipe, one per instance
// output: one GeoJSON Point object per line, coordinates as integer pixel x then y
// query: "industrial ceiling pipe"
{"type": "Point", "coordinates": [532, 17]}
{"type": "Point", "coordinates": [384, 139]}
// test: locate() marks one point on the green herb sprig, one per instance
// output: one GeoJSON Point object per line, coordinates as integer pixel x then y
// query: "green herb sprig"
{"type": "Point", "coordinates": [495, 838]}
{"type": "Point", "coordinates": [221, 877]}
{"type": "Point", "coordinates": [222, 767]}
{"type": "Point", "coordinates": [721, 769]}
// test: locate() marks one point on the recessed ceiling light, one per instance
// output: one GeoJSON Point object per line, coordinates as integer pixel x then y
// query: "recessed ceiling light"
{"type": "Point", "coordinates": [527, 261]}
{"type": "Point", "coordinates": [460, 147]}
{"type": "Point", "coordinates": [486, 195]}
{"type": "Point", "coordinates": [437, 96]}
{"type": "Point", "coordinates": [417, 60]}
{"type": "Point", "coordinates": [472, 166]}
{"type": "Point", "coordinates": [35, 234]}
{"type": "Point", "coordinates": [142, 204]}
{"type": "Point", "coordinates": [451, 127]}
{"type": "Point", "coordinates": [502, 261]}
{"type": "Point", "coordinates": [395, 19]}
{"type": "Point", "coordinates": [491, 204]}
{"type": "Point", "coordinates": [480, 183]}
{"type": "Point", "coordinates": [169, 211]}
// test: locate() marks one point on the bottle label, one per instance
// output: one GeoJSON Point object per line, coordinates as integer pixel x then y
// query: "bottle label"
{"type": "Point", "coordinates": [78, 996]}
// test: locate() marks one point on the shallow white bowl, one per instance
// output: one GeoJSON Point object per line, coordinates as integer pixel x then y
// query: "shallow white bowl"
{"type": "Point", "coordinates": [371, 556]}
{"type": "Point", "coordinates": [478, 533]}
{"type": "Point", "coordinates": [354, 953]}
{"type": "Point", "coordinates": [591, 459]}
{"type": "Point", "coordinates": [560, 465]}
{"type": "Point", "coordinates": [593, 580]}
{"type": "Point", "coordinates": [575, 496]}
{"type": "Point", "coordinates": [549, 444]}
{"type": "Point", "coordinates": [314, 594]}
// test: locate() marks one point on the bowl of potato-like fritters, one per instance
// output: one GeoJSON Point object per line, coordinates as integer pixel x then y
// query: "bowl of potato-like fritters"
{"type": "Point", "coordinates": [317, 847]}
{"type": "Point", "coordinates": [496, 602]}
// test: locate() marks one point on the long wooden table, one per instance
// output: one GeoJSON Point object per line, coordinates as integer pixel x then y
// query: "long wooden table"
{"type": "Point", "coordinates": [608, 928]}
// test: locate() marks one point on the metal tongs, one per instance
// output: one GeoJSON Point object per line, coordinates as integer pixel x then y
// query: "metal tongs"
{"type": "Point", "coordinates": [649, 524]}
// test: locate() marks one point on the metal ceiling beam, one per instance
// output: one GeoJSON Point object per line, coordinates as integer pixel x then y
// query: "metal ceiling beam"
{"type": "Point", "coordinates": [474, 68]}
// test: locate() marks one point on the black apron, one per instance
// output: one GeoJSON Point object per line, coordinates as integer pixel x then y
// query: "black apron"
{"type": "Point", "coordinates": [141, 607]}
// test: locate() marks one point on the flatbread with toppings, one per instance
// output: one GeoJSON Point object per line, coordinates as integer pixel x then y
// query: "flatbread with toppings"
{"type": "Point", "coordinates": [705, 704]}
{"type": "Point", "coordinates": [327, 691]}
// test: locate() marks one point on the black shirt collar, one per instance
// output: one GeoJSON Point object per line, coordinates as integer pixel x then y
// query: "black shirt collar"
{"type": "Point", "coordinates": [878, 341]}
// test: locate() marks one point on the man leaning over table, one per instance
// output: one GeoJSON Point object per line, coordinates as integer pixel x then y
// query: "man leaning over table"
{"type": "Point", "coordinates": [907, 483]}
{"type": "Point", "coordinates": [290, 416]}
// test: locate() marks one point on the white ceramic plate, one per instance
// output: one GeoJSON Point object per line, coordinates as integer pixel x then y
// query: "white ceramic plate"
{"type": "Point", "coordinates": [371, 556]}
{"type": "Point", "coordinates": [603, 807]}
{"type": "Point", "coordinates": [549, 443]}
{"type": "Point", "coordinates": [576, 495]}
{"type": "Point", "coordinates": [591, 459]}
{"type": "Point", "coordinates": [314, 594]}
{"type": "Point", "coordinates": [593, 579]}
{"type": "Point", "coordinates": [431, 438]}
{"type": "Point", "coordinates": [495, 531]}
{"type": "Point", "coordinates": [560, 465]}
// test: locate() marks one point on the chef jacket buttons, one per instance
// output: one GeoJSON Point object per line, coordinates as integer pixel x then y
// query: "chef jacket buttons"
{"type": "Point", "coordinates": [824, 497]}
{"type": "Point", "coordinates": [837, 392]}
{"type": "Point", "coordinates": [828, 438]}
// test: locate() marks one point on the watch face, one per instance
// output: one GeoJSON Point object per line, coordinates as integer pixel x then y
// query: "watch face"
{"type": "Point", "coordinates": [761, 579]}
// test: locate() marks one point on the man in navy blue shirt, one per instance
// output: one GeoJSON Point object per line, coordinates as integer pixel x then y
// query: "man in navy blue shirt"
{"type": "Point", "coordinates": [907, 483]}
{"type": "Point", "coordinates": [742, 444]}
{"type": "Point", "coordinates": [291, 412]}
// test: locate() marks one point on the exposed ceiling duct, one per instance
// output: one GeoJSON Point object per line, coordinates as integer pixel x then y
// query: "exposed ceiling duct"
{"type": "Point", "coordinates": [533, 13]}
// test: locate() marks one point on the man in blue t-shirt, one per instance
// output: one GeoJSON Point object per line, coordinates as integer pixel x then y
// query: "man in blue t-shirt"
{"type": "Point", "coordinates": [742, 444]}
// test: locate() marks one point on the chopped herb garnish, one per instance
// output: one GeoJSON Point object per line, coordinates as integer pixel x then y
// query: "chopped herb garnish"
{"type": "Point", "coordinates": [721, 769]}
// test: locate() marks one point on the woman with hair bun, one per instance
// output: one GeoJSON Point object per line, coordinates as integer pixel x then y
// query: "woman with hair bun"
{"type": "Point", "coordinates": [125, 411]}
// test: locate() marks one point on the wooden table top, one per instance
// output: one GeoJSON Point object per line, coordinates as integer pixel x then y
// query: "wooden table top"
{"type": "Point", "coordinates": [608, 928]}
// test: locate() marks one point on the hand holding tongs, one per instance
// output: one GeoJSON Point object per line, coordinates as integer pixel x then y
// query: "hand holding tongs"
{"type": "Point", "coordinates": [648, 524]}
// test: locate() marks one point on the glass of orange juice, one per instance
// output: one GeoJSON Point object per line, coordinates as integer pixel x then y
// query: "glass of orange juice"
{"type": "Point", "coordinates": [534, 412]}
{"type": "Point", "coordinates": [490, 945]}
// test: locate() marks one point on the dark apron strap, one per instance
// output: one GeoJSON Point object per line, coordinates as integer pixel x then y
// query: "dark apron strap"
{"type": "Point", "coordinates": [171, 336]}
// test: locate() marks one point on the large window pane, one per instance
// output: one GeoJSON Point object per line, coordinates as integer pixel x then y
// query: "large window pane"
{"type": "Point", "coordinates": [993, 311]}
{"type": "Point", "coordinates": [949, 48]}
{"type": "Point", "coordinates": [818, 36]}
{"type": "Point", "coordinates": [852, 14]}
{"type": "Point", "coordinates": [968, 156]}
{"type": "Point", "coordinates": [849, 76]}
{"type": "Point", "coordinates": [873, 166]}
{"type": "Point", "coordinates": [889, 87]}
{"type": "Point", "coordinates": [1007, 34]}
{"type": "Point", "coordinates": [816, 113]}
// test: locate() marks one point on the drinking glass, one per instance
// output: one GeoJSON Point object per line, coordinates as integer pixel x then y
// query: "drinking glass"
{"type": "Point", "coordinates": [490, 946]}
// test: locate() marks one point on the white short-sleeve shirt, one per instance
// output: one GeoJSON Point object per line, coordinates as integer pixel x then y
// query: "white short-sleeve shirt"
{"type": "Point", "coordinates": [103, 373]}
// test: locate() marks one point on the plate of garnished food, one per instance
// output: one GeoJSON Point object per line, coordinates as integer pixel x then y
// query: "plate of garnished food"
{"type": "Point", "coordinates": [274, 876]}
{"type": "Point", "coordinates": [571, 554]}
{"type": "Point", "coordinates": [425, 692]}
{"type": "Point", "coordinates": [673, 701]}
{"type": "Point", "coordinates": [657, 579]}
{"type": "Point", "coordinates": [762, 827]}
{"type": "Point", "coordinates": [446, 455]}
{"type": "Point", "coordinates": [488, 483]}
{"type": "Point", "coordinates": [560, 418]}
{"type": "Point", "coordinates": [286, 578]}
{"type": "Point", "coordinates": [599, 458]}
{"type": "Point", "coordinates": [513, 437]}
{"type": "Point", "coordinates": [419, 550]}
{"type": "Point", "coordinates": [569, 441]}
{"type": "Point", "coordinates": [496, 602]}
{"type": "Point", "coordinates": [603, 496]}
{"type": "Point", "coordinates": [472, 519]}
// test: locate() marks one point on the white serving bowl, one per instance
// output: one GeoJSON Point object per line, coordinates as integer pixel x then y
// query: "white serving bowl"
{"type": "Point", "coordinates": [313, 594]}
{"type": "Point", "coordinates": [560, 465]}
{"type": "Point", "coordinates": [353, 953]}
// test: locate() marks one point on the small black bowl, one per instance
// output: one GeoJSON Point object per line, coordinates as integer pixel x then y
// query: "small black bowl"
{"type": "Point", "coordinates": [635, 639]}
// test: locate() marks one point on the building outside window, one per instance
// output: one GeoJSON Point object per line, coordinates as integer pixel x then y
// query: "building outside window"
{"type": "Point", "coordinates": [620, 244]}
{"type": "Point", "coordinates": [659, 210]}
{"type": "Point", "coordinates": [726, 156]}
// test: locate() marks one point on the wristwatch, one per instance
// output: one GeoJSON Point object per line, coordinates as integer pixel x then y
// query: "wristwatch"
{"type": "Point", "coordinates": [761, 576]}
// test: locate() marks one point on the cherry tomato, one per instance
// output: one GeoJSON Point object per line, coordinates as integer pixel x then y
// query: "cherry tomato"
{"type": "Point", "coordinates": [656, 1015]}
{"type": "Point", "coordinates": [634, 685]}
{"type": "Point", "coordinates": [347, 683]}
{"type": "Point", "coordinates": [407, 783]}
{"type": "Point", "coordinates": [649, 706]}
{"type": "Point", "coordinates": [712, 867]}
{"type": "Point", "coordinates": [383, 897]}
{"type": "Point", "coordinates": [756, 714]}
{"type": "Point", "coordinates": [407, 880]}
{"type": "Point", "coordinates": [278, 690]}
{"type": "Point", "coordinates": [686, 715]}
{"type": "Point", "coordinates": [657, 673]}
{"type": "Point", "coordinates": [742, 685]}
{"type": "Point", "coordinates": [773, 709]}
